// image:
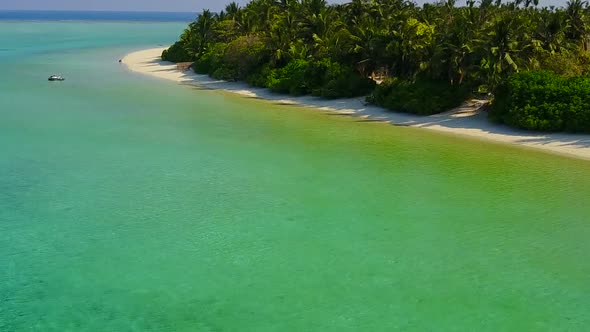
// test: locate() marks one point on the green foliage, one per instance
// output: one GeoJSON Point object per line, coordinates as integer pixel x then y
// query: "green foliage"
{"type": "Point", "coordinates": [438, 51]}
{"type": "Point", "coordinates": [234, 61]}
{"type": "Point", "coordinates": [541, 100]}
{"type": "Point", "coordinates": [211, 60]}
{"type": "Point", "coordinates": [260, 77]}
{"type": "Point", "coordinates": [324, 78]}
{"type": "Point", "coordinates": [176, 53]}
{"type": "Point", "coordinates": [567, 65]}
{"type": "Point", "coordinates": [421, 97]}
{"type": "Point", "coordinates": [290, 79]}
{"type": "Point", "coordinates": [244, 55]}
{"type": "Point", "coordinates": [330, 79]}
{"type": "Point", "coordinates": [225, 73]}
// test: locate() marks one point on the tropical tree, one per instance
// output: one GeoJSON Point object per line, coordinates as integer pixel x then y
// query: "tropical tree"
{"type": "Point", "coordinates": [477, 45]}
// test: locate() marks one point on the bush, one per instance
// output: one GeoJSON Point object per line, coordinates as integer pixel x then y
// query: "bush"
{"type": "Point", "coordinates": [568, 65]}
{"type": "Point", "coordinates": [321, 78]}
{"type": "Point", "coordinates": [244, 55]}
{"type": "Point", "coordinates": [234, 61]}
{"type": "Point", "coordinates": [290, 79]}
{"type": "Point", "coordinates": [211, 60]}
{"type": "Point", "coordinates": [260, 77]}
{"type": "Point", "coordinates": [332, 80]}
{"type": "Point", "coordinates": [225, 73]}
{"type": "Point", "coordinates": [423, 97]}
{"type": "Point", "coordinates": [176, 53]}
{"type": "Point", "coordinates": [542, 100]}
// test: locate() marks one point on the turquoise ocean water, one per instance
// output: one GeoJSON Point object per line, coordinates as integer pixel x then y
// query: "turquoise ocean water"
{"type": "Point", "coordinates": [133, 204]}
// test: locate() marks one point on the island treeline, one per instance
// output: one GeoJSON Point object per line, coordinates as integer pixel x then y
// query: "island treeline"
{"type": "Point", "coordinates": [534, 61]}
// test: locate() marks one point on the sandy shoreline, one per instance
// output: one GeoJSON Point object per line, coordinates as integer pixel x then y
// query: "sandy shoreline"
{"type": "Point", "coordinates": [466, 120]}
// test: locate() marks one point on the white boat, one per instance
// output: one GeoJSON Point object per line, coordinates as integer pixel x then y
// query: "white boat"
{"type": "Point", "coordinates": [56, 78]}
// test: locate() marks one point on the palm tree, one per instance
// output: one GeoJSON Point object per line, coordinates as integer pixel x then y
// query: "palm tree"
{"type": "Point", "coordinates": [480, 43]}
{"type": "Point", "coordinates": [232, 11]}
{"type": "Point", "coordinates": [577, 20]}
{"type": "Point", "coordinates": [199, 34]}
{"type": "Point", "coordinates": [552, 29]}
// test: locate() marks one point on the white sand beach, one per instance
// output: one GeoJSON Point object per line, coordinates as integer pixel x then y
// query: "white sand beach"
{"type": "Point", "coordinates": [467, 120]}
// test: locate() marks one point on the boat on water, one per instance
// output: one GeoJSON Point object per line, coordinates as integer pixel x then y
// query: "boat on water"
{"type": "Point", "coordinates": [56, 78]}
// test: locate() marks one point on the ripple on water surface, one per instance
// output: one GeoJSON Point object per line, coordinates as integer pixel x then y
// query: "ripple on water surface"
{"type": "Point", "coordinates": [140, 205]}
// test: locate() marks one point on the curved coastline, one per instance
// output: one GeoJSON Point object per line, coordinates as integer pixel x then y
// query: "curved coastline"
{"type": "Point", "coordinates": [467, 120]}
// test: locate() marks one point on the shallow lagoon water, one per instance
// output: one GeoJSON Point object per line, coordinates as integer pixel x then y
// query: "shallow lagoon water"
{"type": "Point", "coordinates": [133, 204]}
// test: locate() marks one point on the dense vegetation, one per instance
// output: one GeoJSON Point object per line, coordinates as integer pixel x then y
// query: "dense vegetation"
{"type": "Point", "coordinates": [430, 58]}
{"type": "Point", "coordinates": [544, 101]}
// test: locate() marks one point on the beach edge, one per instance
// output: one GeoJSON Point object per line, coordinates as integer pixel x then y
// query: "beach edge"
{"type": "Point", "coordinates": [468, 120]}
